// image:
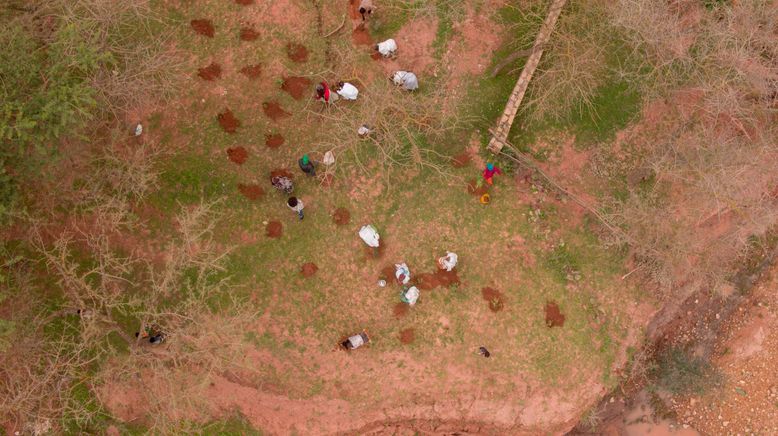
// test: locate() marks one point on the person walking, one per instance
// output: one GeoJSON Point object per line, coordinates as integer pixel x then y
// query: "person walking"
{"type": "Point", "coordinates": [296, 205]}
{"type": "Point", "coordinates": [489, 173]}
{"type": "Point", "coordinates": [306, 165]}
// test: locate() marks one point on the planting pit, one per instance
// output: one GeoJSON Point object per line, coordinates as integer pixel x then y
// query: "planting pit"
{"type": "Point", "coordinates": [461, 160]}
{"type": "Point", "coordinates": [274, 111]}
{"type": "Point", "coordinates": [274, 229]}
{"type": "Point", "coordinates": [341, 216]}
{"type": "Point", "coordinates": [203, 27]}
{"type": "Point", "coordinates": [238, 155]}
{"type": "Point", "coordinates": [360, 36]}
{"type": "Point", "coordinates": [252, 192]}
{"type": "Point", "coordinates": [244, 2]}
{"type": "Point", "coordinates": [554, 317]}
{"type": "Point", "coordinates": [248, 34]}
{"type": "Point", "coordinates": [407, 336]}
{"type": "Point", "coordinates": [211, 72]}
{"type": "Point", "coordinates": [440, 277]}
{"type": "Point", "coordinates": [400, 310]}
{"type": "Point", "coordinates": [251, 71]}
{"type": "Point", "coordinates": [281, 172]}
{"type": "Point", "coordinates": [274, 140]}
{"type": "Point", "coordinates": [297, 52]}
{"type": "Point", "coordinates": [297, 87]}
{"type": "Point", "coordinates": [494, 297]}
{"type": "Point", "coordinates": [473, 188]}
{"type": "Point", "coordinates": [309, 269]}
{"type": "Point", "coordinates": [228, 122]}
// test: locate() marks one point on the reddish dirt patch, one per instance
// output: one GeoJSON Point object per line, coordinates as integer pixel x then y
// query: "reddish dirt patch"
{"type": "Point", "coordinates": [211, 72]}
{"type": "Point", "coordinates": [274, 229]}
{"type": "Point", "coordinates": [309, 269]}
{"type": "Point", "coordinates": [297, 52]}
{"type": "Point", "coordinates": [280, 172]}
{"type": "Point", "coordinates": [244, 2]}
{"type": "Point", "coordinates": [473, 188]}
{"type": "Point", "coordinates": [439, 278]}
{"type": "Point", "coordinates": [274, 140]}
{"type": "Point", "coordinates": [274, 111]}
{"type": "Point", "coordinates": [554, 317]}
{"type": "Point", "coordinates": [353, 10]}
{"type": "Point", "coordinates": [203, 27]}
{"type": "Point", "coordinates": [251, 71]}
{"type": "Point", "coordinates": [400, 310]}
{"type": "Point", "coordinates": [460, 160]}
{"type": "Point", "coordinates": [407, 336]}
{"type": "Point", "coordinates": [237, 155]}
{"type": "Point", "coordinates": [252, 192]}
{"type": "Point", "coordinates": [387, 273]}
{"type": "Point", "coordinates": [360, 36]}
{"type": "Point", "coordinates": [341, 216]}
{"type": "Point", "coordinates": [494, 297]}
{"type": "Point", "coordinates": [228, 121]}
{"type": "Point", "coordinates": [297, 87]}
{"type": "Point", "coordinates": [248, 34]}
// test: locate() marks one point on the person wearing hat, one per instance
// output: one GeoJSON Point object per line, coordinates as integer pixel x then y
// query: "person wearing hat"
{"type": "Point", "coordinates": [490, 171]}
{"type": "Point", "coordinates": [307, 165]}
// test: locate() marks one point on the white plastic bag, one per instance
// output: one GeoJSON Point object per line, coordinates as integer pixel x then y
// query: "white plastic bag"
{"type": "Point", "coordinates": [348, 91]}
{"type": "Point", "coordinates": [329, 158]}
{"type": "Point", "coordinates": [370, 235]}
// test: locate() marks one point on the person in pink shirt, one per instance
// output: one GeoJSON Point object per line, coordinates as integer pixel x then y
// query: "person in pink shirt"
{"type": "Point", "coordinates": [490, 171]}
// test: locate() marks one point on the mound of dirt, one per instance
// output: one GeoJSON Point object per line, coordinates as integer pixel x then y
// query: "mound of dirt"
{"type": "Point", "coordinates": [461, 160]}
{"type": "Point", "coordinates": [297, 87]}
{"type": "Point", "coordinates": [203, 27]}
{"type": "Point", "coordinates": [407, 336]}
{"type": "Point", "coordinates": [244, 2]}
{"type": "Point", "coordinates": [309, 269]}
{"type": "Point", "coordinates": [228, 121]}
{"type": "Point", "coordinates": [251, 71]}
{"type": "Point", "coordinates": [274, 229]}
{"type": "Point", "coordinates": [400, 310]}
{"type": "Point", "coordinates": [440, 277]}
{"type": "Point", "coordinates": [473, 188]}
{"type": "Point", "coordinates": [211, 72]}
{"type": "Point", "coordinates": [554, 317]}
{"type": "Point", "coordinates": [237, 155]}
{"type": "Point", "coordinates": [274, 141]}
{"type": "Point", "coordinates": [360, 36]}
{"type": "Point", "coordinates": [341, 216]}
{"type": "Point", "coordinates": [297, 52]}
{"type": "Point", "coordinates": [252, 192]}
{"type": "Point", "coordinates": [274, 111]}
{"type": "Point", "coordinates": [387, 273]}
{"type": "Point", "coordinates": [280, 172]}
{"type": "Point", "coordinates": [494, 297]}
{"type": "Point", "coordinates": [248, 34]}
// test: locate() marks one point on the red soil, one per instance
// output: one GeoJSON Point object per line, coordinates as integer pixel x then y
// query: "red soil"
{"type": "Point", "coordinates": [237, 155]}
{"type": "Point", "coordinates": [280, 172]}
{"type": "Point", "coordinates": [477, 191]}
{"type": "Point", "coordinates": [244, 2]}
{"type": "Point", "coordinates": [387, 273]}
{"type": "Point", "coordinates": [274, 111]}
{"type": "Point", "coordinates": [211, 72]}
{"type": "Point", "coordinates": [297, 52]}
{"type": "Point", "coordinates": [309, 269]}
{"type": "Point", "coordinates": [248, 34]}
{"type": "Point", "coordinates": [353, 10]}
{"type": "Point", "coordinates": [461, 159]}
{"type": "Point", "coordinates": [360, 36]}
{"type": "Point", "coordinates": [341, 216]}
{"type": "Point", "coordinates": [297, 87]}
{"type": "Point", "coordinates": [439, 278]}
{"type": "Point", "coordinates": [251, 71]}
{"type": "Point", "coordinates": [228, 121]}
{"type": "Point", "coordinates": [274, 140]}
{"type": "Point", "coordinates": [554, 317]}
{"type": "Point", "coordinates": [407, 336]}
{"type": "Point", "coordinates": [274, 229]}
{"type": "Point", "coordinates": [494, 297]}
{"type": "Point", "coordinates": [400, 310]}
{"type": "Point", "coordinates": [203, 27]}
{"type": "Point", "coordinates": [252, 192]}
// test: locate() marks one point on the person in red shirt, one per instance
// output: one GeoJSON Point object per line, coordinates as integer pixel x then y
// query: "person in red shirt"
{"type": "Point", "coordinates": [323, 92]}
{"type": "Point", "coordinates": [490, 171]}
